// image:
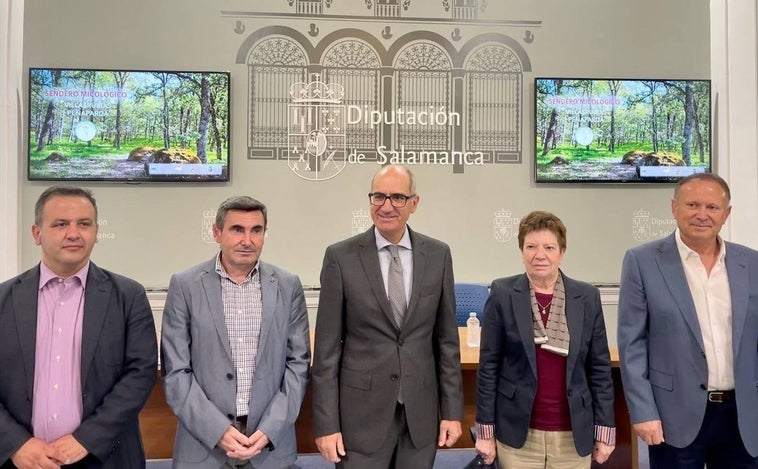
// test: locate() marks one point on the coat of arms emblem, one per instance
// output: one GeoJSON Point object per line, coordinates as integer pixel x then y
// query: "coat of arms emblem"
{"type": "Point", "coordinates": [316, 139]}
{"type": "Point", "coordinates": [505, 226]}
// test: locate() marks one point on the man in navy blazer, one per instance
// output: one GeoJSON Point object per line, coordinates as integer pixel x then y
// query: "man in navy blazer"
{"type": "Point", "coordinates": [235, 350]}
{"type": "Point", "coordinates": [688, 337]}
{"type": "Point", "coordinates": [78, 353]}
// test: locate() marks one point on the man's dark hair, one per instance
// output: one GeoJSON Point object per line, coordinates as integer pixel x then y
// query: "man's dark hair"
{"type": "Point", "coordinates": [61, 191]}
{"type": "Point", "coordinates": [240, 202]}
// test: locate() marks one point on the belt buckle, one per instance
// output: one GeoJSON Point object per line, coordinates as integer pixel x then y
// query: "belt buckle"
{"type": "Point", "coordinates": [716, 396]}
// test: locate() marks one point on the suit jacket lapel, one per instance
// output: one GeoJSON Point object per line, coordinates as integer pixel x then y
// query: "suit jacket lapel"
{"type": "Point", "coordinates": [370, 261]}
{"type": "Point", "coordinates": [420, 259]}
{"type": "Point", "coordinates": [25, 295]}
{"type": "Point", "coordinates": [575, 321]}
{"type": "Point", "coordinates": [269, 296]}
{"type": "Point", "coordinates": [672, 271]}
{"type": "Point", "coordinates": [96, 296]}
{"type": "Point", "coordinates": [739, 276]}
{"type": "Point", "coordinates": [522, 309]}
{"type": "Point", "coordinates": [212, 287]}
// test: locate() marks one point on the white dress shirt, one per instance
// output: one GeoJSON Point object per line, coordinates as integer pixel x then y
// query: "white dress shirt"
{"type": "Point", "coordinates": [713, 304]}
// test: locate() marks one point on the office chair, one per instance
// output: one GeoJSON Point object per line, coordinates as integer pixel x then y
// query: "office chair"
{"type": "Point", "coordinates": [470, 298]}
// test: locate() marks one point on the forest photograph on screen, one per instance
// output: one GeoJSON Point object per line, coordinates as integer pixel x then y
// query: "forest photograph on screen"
{"type": "Point", "coordinates": [121, 125]}
{"type": "Point", "coordinates": [607, 130]}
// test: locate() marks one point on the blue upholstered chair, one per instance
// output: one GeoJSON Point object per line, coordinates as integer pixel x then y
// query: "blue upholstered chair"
{"type": "Point", "coordinates": [470, 298]}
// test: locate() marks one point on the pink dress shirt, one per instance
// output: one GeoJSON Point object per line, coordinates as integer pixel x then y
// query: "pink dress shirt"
{"type": "Point", "coordinates": [57, 405]}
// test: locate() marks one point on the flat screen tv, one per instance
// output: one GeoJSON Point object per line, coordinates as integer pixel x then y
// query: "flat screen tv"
{"type": "Point", "coordinates": [128, 125]}
{"type": "Point", "coordinates": [621, 130]}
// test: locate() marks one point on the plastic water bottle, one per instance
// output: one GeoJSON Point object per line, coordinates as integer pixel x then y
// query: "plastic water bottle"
{"type": "Point", "coordinates": [472, 330]}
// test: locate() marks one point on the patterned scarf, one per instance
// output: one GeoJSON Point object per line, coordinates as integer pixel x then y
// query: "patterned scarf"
{"type": "Point", "coordinates": [556, 338]}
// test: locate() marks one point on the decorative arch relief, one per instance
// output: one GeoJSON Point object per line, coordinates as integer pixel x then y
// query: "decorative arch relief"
{"type": "Point", "coordinates": [332, 87]}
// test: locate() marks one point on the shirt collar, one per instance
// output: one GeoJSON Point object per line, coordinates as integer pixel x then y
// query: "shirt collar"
{"type": "Point", "coordinates": [46, 275]}
{"type": "Point", "coordinates": [223, 273]}
{"type": "Point", "coordinates": [381, 241]}
{"type": "Point", "coordinates": [685, 251]}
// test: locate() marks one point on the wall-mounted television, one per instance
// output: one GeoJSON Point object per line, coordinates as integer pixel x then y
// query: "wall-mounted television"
{"type": "Point", "coordinates": [128, 125]}
{"type": "Point", "coordinates": [621, 130]}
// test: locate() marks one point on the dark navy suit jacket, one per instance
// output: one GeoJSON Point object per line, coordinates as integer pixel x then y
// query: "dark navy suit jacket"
{"type": "Point", "coordinates": [119, 367]}
{"type": "Point", "coordinates": [507, 376]}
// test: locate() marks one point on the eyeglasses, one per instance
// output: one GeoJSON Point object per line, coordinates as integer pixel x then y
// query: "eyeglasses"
{"type": "Point", "coordinates": [397, 200]}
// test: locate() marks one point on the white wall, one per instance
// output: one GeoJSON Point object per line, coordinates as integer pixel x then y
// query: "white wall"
{"type": "Point", "coordinates": [682, 39]}
{"type": "Point", "coordinates": [11, 104]}
{"type": "Point", "coordinates": [581, 38]}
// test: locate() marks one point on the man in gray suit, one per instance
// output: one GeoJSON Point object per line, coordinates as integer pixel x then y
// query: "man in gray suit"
{"type": "Point", "coordinates": [688, 337]}
{"type": "Point", "coordinates": [235, 351]}
{"type": "Point", "coordinates": [78, 352]}
{"type": "Point", "coordinates": [386, 372]}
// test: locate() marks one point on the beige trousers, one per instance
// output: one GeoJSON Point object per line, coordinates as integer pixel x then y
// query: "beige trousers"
{"type": "Point", "coordinates": [543, 450]}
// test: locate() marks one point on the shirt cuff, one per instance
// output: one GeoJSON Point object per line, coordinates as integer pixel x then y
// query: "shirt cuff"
{"type": "Point", "coordinates": [485, 431]}
{"type": "Point", "coordinates": [605, 435]}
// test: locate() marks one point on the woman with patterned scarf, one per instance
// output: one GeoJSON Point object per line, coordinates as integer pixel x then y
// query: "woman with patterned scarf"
{"type": "Point", "coordinates": [544, 386]}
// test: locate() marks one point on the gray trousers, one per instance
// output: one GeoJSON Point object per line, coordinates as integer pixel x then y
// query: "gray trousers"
{"type": "Point", "coordinates": [397, 452]}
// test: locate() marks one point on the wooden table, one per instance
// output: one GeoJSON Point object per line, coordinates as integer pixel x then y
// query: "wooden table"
{"type": "Point", "coordinates": [470, 355]}
{"type": "Point", "coordinates": [158, 424]}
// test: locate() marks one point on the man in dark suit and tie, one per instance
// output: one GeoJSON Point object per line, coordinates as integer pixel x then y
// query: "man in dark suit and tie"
{"type": "Point", "coordinates": [77, 347]}
{"type": "Point", "coordinates": [688, 337]}
{"type": "Point", "coordinates": [386, 374]}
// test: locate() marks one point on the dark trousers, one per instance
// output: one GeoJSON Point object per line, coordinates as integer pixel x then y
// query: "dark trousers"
{"type": "Point", "coordinates": [397, 452]}
{"type": "Point", "coordinates": [718, 444]}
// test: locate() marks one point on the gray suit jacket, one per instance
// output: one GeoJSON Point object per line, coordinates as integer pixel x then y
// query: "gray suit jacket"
{"type": "Point", "coordinates": [663, 364]}
{"type": "Point", "coordinates": [199, 376]}
{"type": "Point", "coordinates": [507, 376]}
{"type": "Point", "coordinates": [119, 367]}
{"type": "Point", "coordinates": [361, 358]}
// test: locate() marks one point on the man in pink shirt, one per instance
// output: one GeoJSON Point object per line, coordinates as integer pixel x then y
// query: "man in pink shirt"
{"type": "Point", "coordinates": [78, 349]}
